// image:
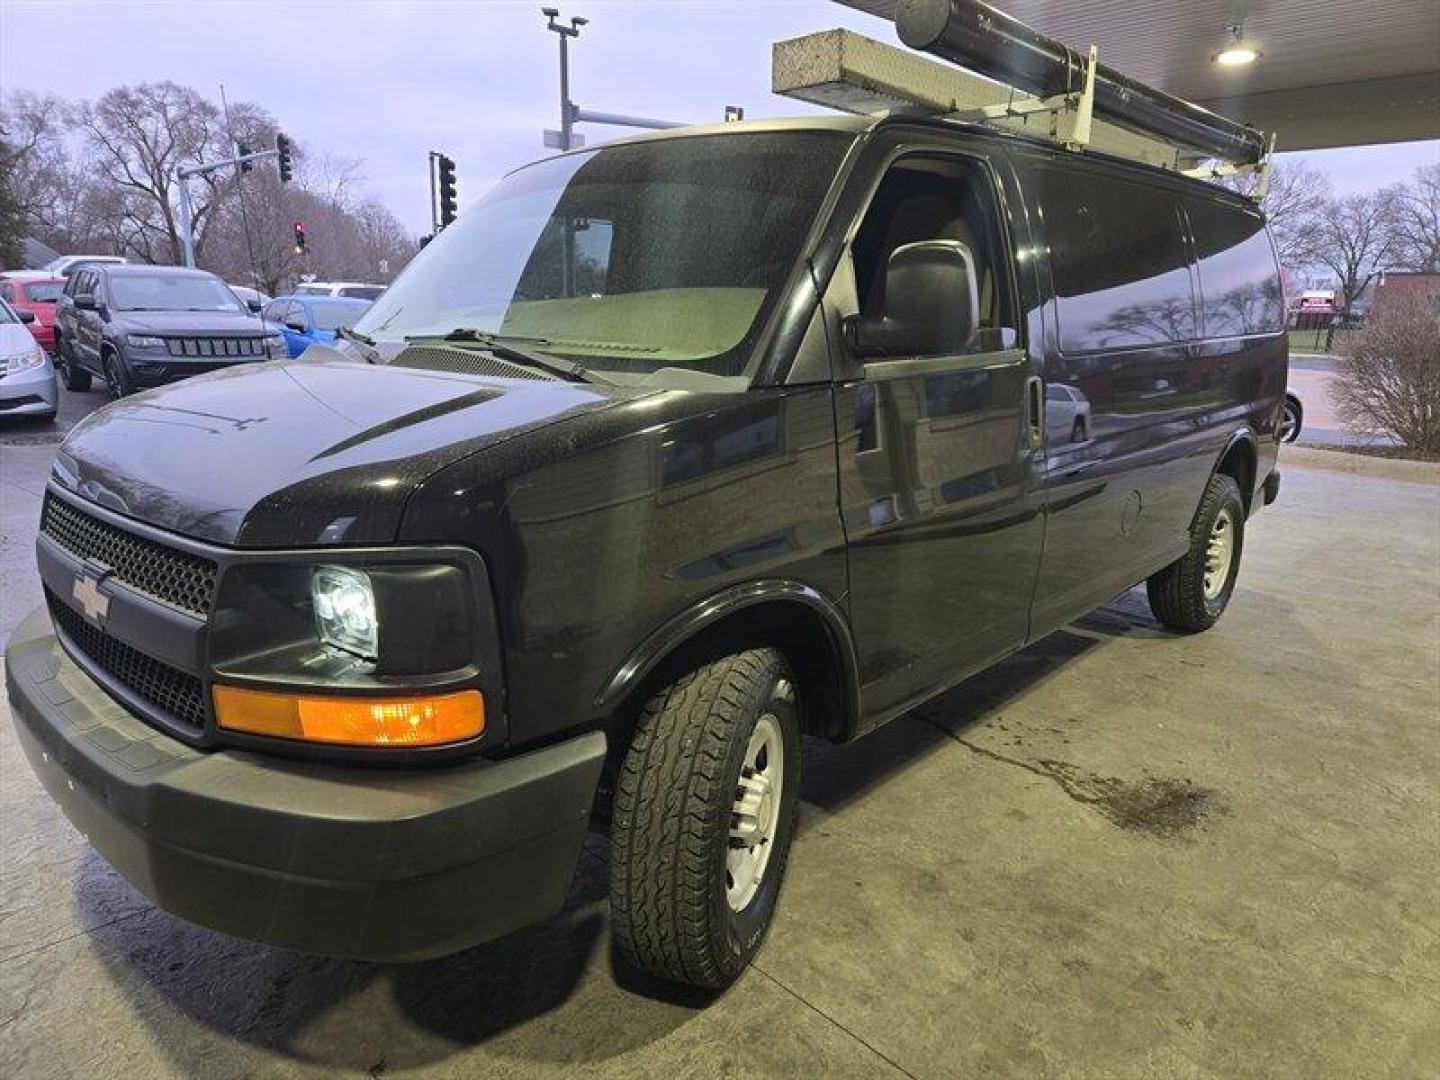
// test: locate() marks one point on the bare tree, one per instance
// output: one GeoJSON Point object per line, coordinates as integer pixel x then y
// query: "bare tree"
{"type": "Point", "coordinates": [1355, 241]}
{"type": "Point", "coordinates": [1293, 202]}
{"type": "Point", "coordinates": [138, 136]}
{"type": "Point", "coordinates": [1388, 381]}
{"type": "Point", "coordinates": [1296, 194]}
{"type": "Point", "coordinates": [1414, 208]}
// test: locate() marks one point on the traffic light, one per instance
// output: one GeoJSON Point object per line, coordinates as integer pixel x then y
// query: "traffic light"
{"type": "Point", "coordinates": [448, 205]}
{"type": "Point", "coordinates": [299, 238]}
{"type": "Point", "coordinates": [287, 164]}
{"type": "Point", "coordinates": [243, 151]}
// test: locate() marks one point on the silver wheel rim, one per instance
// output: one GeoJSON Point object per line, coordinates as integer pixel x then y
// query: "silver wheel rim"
{"type": "Point", "coordinates": [755, 814]}
{"type": "Point", "coordinates": [1287, 424]}
{"type": "Point", "coordinates": [1219, 553]}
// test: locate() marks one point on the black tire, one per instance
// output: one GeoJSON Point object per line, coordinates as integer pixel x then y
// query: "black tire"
{"type": "Point", "coordinates": [72, 376]}
{"type": "Point", "coordinates": [670, 830]}
{"type": "Point", "coordinates": [1292, 419]}
{"type": "Point", "coordinates": [1177, 593]}
{"type": "Point", "coordinates": [117, 377]}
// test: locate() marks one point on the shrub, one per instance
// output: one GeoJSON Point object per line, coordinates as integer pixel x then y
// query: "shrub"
{"type": "Point", "coordinates": [1388, 378]}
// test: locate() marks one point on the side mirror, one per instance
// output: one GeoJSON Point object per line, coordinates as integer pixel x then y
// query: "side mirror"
{"type": "Point", "coordinates": [931, 304]}
{"type": "Point", "coordinates": [254, 306]}
{"type": "Point", "coordinates": [86, 302]}
{"type": "Point", "coordinates": [26, 316]}
{"type": "Point", "coordinates": [295, 325]}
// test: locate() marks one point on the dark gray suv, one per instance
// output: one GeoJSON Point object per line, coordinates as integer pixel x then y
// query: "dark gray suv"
{"type": "Point", "coordinates": [142, 326]}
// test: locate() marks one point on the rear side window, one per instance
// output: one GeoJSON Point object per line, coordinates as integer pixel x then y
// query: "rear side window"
{"type": "Point", "coordinates": [1117, 261]}
{"type": "Point", "coordinates": [42, 292]}
{"type": "Point", "coordinates": [1240, 290]}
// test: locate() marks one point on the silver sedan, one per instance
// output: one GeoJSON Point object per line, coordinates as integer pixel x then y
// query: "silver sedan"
{"type": "Point", "coordinates": [27, 377]}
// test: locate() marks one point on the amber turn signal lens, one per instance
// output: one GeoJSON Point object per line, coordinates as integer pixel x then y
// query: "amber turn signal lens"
{"type": "Point", "coordinates": [427, 720]}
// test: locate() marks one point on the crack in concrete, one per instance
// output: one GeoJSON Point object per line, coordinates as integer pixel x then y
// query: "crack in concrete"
{"type": "Point", "coordinates": [830, 1019]}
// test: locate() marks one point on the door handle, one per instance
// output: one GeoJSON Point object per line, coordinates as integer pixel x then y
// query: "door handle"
{"type": "Point", "coordinates": [1035, 411]}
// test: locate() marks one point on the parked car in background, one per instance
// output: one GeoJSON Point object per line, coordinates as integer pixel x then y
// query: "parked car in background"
{"type": "Point", "coordinates": [305, 320]}
{"type": "Point", "coordinates": [1293, 418]}
{"type": "Point", "coordinates": [35, 291]}
{"type": "Point", "coordinates": [27, 377]}
{"type": "Point", "coordinates": [254, 299]}
{"type": "Point", "coordinates": [357, 290]}
{"type": "Point", "coordinates": [66, 264]}
{"type": "Point", "coordinates": [139, 326]}
{"type": "Point", "coordinates": [1067, 414]}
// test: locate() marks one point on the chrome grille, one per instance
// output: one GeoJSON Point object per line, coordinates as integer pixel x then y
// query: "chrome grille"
{"type": "Point", "coordinates": [215, 346]}
{"type": "Point", "coordinates": [174, 577]}
{"type": "Point", "coordinates": [176, 693]}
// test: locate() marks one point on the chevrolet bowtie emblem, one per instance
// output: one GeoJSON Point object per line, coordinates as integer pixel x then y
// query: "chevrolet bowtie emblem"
{"type": "Point", "coordinates": [87, 592]}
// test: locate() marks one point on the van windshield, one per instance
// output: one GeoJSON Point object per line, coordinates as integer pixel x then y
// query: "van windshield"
{"type": "Point", "coordinates": [632, 257]}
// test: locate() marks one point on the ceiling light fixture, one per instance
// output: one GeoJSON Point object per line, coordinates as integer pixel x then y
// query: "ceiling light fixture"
{"type": "Point", "coordinates": [1238, 52]}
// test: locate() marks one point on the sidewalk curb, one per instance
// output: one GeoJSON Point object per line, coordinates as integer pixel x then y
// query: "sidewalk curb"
{"type": "Point", "coordinates": [1343, 461]}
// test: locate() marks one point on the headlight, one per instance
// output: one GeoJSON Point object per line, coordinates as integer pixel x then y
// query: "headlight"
{"type": "Point", "coordinates": [24, 361]}
{"type": "Point", "coordinates": [344, 604]}
{"type": "Point", "coordinates": [144, 341]}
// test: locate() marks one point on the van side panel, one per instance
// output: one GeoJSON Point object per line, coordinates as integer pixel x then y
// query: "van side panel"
{"type": "Point", "coordinates": [600, 531]}
{"type": "Point", "coordinates": [1126, 339]}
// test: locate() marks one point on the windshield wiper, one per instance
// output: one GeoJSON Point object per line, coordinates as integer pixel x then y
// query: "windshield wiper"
{"type": "Point", "coordinates": [504, 348]}
{"type": "Point", "coordinates": [366, 343]}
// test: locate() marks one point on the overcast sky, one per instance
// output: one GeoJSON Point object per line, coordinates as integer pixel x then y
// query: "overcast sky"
{"type": "Point", "coordinates": [386, 81]}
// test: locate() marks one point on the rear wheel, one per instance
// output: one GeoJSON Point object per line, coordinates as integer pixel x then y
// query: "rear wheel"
{"type": "Point", "coordinates": [1192, 593]}
{"type": "Point", "coordinates": [705, 808]}
{"type": "Point", "coordinates": [72, 375]}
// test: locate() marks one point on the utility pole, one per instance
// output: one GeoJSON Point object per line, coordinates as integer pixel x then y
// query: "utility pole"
{"type": "Point", "coordinates": [570, 113]}
{"type": "Point", "coordinates": [182, 180]}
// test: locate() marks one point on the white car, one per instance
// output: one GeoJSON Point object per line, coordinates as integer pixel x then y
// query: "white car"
{"type": "Point", "coordinates": [1067, 414]}
{"type": "Point", "coordinates": [355, 290]}
{"type": "Point", "coordinates": [254, 299]}
{"type": "Point", "coordinates": [66, 263]}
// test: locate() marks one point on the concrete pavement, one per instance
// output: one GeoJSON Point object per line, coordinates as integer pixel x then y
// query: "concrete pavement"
{"type": "Point", "coordinates": [1120, 853]}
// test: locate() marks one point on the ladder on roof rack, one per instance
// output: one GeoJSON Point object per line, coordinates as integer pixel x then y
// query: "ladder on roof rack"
{"type": "Point", "coordinates": [1034, 85]}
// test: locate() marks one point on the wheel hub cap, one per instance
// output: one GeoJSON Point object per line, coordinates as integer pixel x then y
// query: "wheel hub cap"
{"type": "Point", "coordinates": [1219, 553]}
{"type": "Point", "coordinates": [755, 814]}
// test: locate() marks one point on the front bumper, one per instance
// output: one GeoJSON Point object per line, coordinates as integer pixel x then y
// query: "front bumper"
{"type": "Point", "coordinates": [30, 393]}
{"type": "Point", "coordinates": [373, 864]}
{"type": "Point", "coordinates": [151, 369]}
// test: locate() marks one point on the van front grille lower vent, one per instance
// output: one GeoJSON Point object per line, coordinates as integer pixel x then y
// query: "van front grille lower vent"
{"type": "Point", "coordinates": [175, 693]}
{"type": "Point", "coordinates": [464, 362]}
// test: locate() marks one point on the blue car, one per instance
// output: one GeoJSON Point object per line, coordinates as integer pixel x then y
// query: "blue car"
{"type": "Point", "coordinates": [305, 320]}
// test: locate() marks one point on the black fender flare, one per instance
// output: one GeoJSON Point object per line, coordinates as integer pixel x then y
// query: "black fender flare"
{"type": "Point", "coordinates": [1247, 436]}
{"type": "Point", "coordinates": [692, 622]}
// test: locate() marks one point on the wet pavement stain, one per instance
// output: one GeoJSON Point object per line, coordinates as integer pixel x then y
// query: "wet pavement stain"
{"type": "Point", "coordinates": [1165, 807]}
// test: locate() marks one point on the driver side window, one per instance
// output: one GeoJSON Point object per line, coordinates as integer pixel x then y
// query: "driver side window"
{"type": "Point", "coordinates": [937, 198]}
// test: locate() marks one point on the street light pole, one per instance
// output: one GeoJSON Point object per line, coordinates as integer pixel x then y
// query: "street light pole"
{"type": "Point", "coordinates": [565, 33]}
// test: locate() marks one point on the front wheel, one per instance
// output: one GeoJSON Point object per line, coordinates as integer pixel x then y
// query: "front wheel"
{"type": "Point", "coordinates": [1192, 593]}
{"type": "Point", "coordinates": [117, 377]}
{"type": "Point", "coordinates": [705, 808]}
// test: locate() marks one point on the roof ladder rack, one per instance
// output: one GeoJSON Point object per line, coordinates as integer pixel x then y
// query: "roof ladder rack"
{"type": "Point", "coordinates": [1066, 99]}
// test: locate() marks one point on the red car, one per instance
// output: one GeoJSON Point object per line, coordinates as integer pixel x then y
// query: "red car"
{"type": "Point", "coordinates": [35, 292]}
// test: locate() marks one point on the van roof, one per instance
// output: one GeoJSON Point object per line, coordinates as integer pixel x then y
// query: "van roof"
{"type": "Point", "coordinates": [862, 124]}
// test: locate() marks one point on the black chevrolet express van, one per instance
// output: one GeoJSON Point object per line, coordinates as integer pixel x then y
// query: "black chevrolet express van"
{"type": "Point", "coordinates": [664, 455]}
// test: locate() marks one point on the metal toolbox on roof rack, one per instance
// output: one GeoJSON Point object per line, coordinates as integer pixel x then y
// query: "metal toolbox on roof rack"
{"type": "Point", "coordinates": [1015, 78]}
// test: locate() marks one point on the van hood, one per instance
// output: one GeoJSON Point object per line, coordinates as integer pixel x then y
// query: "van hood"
{"type": "Point", "coordinates": [237, 323]}
{"type": "Point", "coordinates": [299, 453]}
